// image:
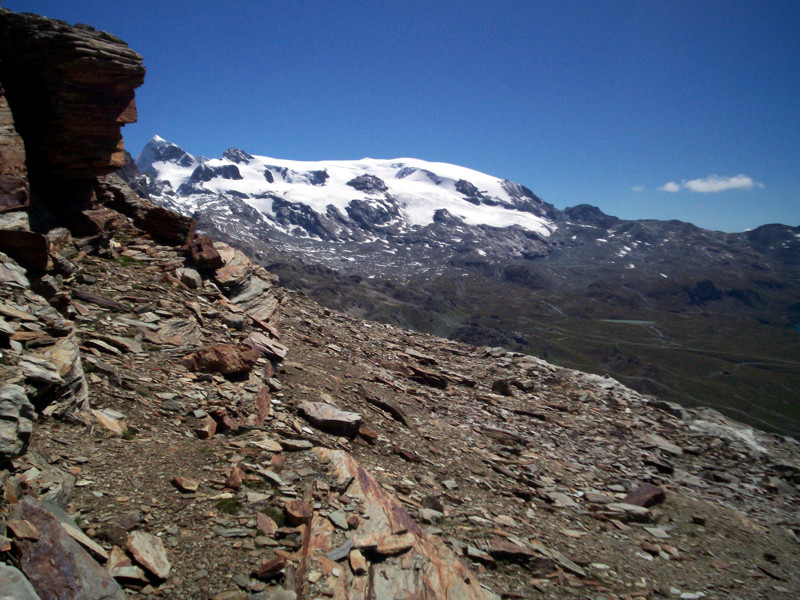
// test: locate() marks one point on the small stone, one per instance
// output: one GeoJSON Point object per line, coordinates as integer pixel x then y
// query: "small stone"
{"type": "Point", "coordinates": [190, 278]}
{"type": "Point", "coordinates": [657, 532]}
{"type": "Point", "coordinates": [342, 551]}
{"type": "Point", "coordinates": [330, 419]}
{"type": "Point", "coordinates": [298, 511]}
{"type": "Point", "coordinates": [269, 569]}
{"type": "Point", "coordinates": [206, 428]}
{"type": "Point", "coordinates": [148, 550]}
{"type": "Point", "coordinates": [235, 479]}
{"type": "Point", "coordinates": [121, 567]}
{"type": "Point", "coordinates": [339, 519]}
{"type": "Point", "coordinates": [357, 562]}
{"type": "Point", "coordinates": [291, 445]}
{"type": "Point", "coordinates": [428, 515]}
{"type": "Point", "coordinates": [23, 529]}
{"type": "Point", "coordinates": [185, 484]}
{"type": "Point", "coordinates": [646, 495]}
{"type": "Point", "coordinates": [266, 525]}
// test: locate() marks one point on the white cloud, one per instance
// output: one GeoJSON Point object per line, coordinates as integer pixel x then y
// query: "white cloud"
{"type": "Point", "coordinates": [638, 188]}
{"type": "Point", "coordinates": [712, 184]}
{"type": "Point", "coordinates": [715, 183]}
{"type": "Point", "coordinates": [670, 186]}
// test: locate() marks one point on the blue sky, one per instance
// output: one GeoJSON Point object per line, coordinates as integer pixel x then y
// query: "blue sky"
{"type": "Point", "coordinates": [684, 110]}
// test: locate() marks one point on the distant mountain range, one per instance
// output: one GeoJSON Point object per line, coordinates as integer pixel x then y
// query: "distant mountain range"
{"type": "Point", "coordinates": [697, 316]}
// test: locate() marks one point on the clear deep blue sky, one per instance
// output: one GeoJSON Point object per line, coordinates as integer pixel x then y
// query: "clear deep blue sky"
{"type": "Point", "coordinates": [630, 106]}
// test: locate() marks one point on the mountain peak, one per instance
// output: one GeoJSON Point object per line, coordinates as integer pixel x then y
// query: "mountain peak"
{"type": "Point", "coordinates": [159, 150]}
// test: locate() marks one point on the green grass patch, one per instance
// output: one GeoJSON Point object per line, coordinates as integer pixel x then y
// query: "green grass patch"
{"type": "Point", "coordinates": [229, 506]}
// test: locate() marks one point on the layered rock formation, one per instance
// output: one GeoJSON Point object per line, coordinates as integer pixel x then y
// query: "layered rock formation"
{"type": "Point", "coordinates": [70, 89]}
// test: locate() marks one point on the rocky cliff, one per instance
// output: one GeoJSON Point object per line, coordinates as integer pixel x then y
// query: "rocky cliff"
{"type": "Point", "coordinates": [173, 424]}
{"type": "Point", "coordinates": [70, 89]}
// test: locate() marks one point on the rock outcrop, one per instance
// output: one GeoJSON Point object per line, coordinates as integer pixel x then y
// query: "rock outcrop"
{"type": "Point", "coordinates": [70, 90]}
{"type": "Point", "coordinates": [14, 189]}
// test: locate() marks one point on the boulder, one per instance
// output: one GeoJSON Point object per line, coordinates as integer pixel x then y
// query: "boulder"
{"type": "Point", "coordinates": [227, 359]}
{"type": "Point", "coordinates": [330, 419]}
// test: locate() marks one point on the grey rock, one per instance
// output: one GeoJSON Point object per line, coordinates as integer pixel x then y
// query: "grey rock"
{"type": "Point", "coordinates": [14, 585]}
{"type": "Point", "coordinates": [190, 277]}
{"type": "Point", "coordinates": [330, 419]}
{"type": "Point", "coordinates": [16, 421]}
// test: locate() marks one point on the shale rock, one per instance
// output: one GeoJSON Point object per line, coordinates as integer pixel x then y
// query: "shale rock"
{"type": "Point", "coordinates": [56, 565]}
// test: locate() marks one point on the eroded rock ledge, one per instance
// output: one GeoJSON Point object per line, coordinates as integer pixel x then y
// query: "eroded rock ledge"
{"type": "Point", "coordinates": [70, 89]}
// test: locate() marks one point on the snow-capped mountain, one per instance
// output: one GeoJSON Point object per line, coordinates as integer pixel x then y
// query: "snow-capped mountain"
{"type": "Point", "coordinates": [363, 202]}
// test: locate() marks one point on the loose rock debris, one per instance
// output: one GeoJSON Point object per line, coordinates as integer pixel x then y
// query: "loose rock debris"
{"type": "Point", "coordinates": [317, 455]}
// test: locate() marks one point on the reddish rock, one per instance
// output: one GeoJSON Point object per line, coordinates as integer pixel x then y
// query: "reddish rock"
{"type": "Point", "coordinates": [298, 511]}
{"type": "Point", "coordinates": [269, 569]}
{"type": "Point", "coordinates": [166, 226]}
{"type": "Point", "coordinates": [263, 407]}
{"type": "Point", "coordinates": [646, 495]}
{"type": "Point", "coordinates": [206, 428]}
{"type": "Point", "coordinates": [104, 219]}
{"type": "Point", "coordinates": [266, 525]}
{"type": "Point", "coordinates": [203, 254]}
{"type": "Point", "coordinates": [56, 565]}
{"type": "Point", "coordinates": [227, 359]}
{"type": "Point", "coordinates": [31, 250]}
{"type": "Point", "coordinates": [14, 189]}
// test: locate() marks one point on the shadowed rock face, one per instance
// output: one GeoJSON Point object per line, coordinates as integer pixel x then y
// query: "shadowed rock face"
{"type": "Point", "coordinates": [14, 191]}
{"type": "Point", "coordinates": [70, 90]}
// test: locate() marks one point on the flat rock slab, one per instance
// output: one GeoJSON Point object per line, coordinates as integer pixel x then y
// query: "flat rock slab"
{"type": "Point", "coordinates": [148, 550]}
{"type": "Point", "coordinates": [56, 565]}
{"type": "Point", "coordinates": [330, 419]}
{"type": "Point", "coordinates": [423, 566]}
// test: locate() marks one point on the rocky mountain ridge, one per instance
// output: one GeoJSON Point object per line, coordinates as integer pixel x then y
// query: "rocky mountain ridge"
{"type": "Point", "coordinates": [175, 425]}
{"type": "Point", "coordinates": [698, 316]}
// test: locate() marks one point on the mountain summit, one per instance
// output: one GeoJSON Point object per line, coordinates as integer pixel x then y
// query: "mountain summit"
{"type": "Point", "coordinates": [347, 199]}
